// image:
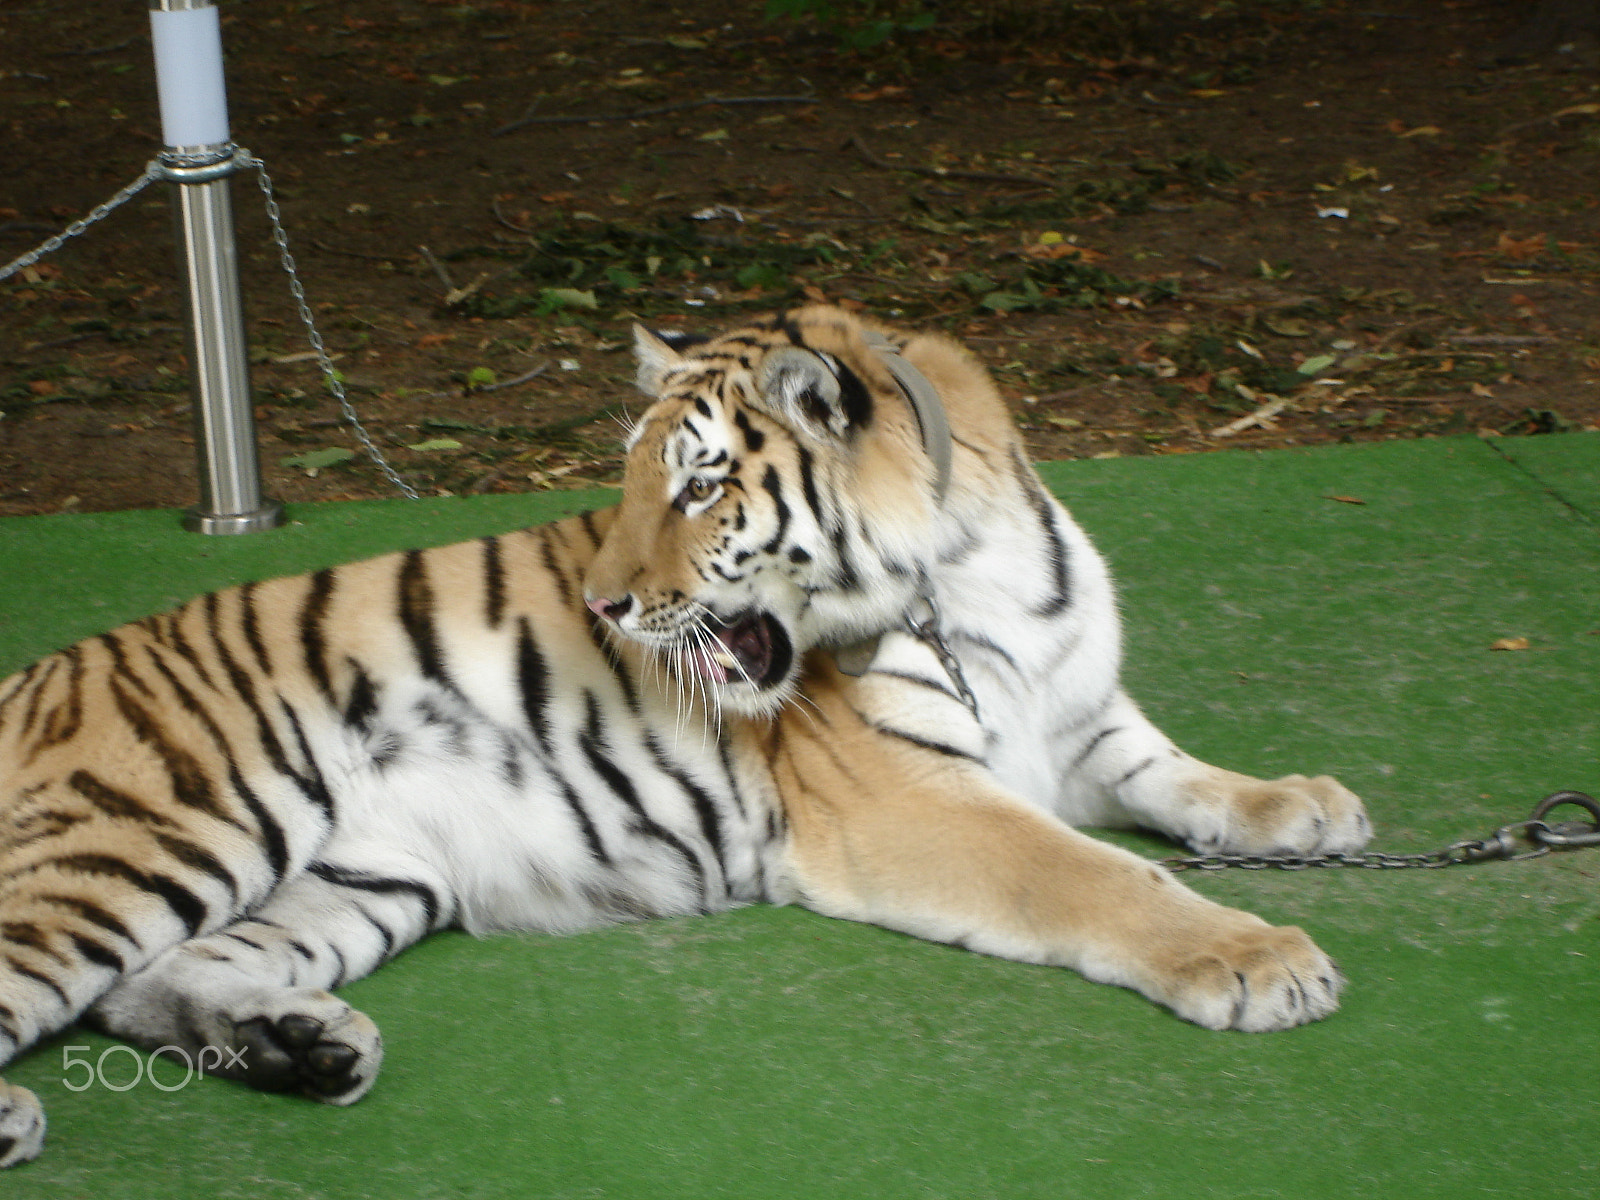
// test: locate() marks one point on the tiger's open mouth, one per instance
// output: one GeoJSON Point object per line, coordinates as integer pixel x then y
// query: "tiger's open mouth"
{"type": "Point", "coordinates": [751, 648]}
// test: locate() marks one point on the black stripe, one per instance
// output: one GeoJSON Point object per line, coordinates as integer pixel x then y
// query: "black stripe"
{"type": "Point", "coordinates": [926, 743]}
{"type": "Point", "coordinates": [98, 953]}
{"type": "Point", "coordinates": [200, 860]}
{"type": "Point", "coordinates": [120, 668]}
{"type": "Point", "coordinates": [21, 679]}
{"type": "Point", "coordinates": [312, 787]}
{"type": "Point", "coordinates": [312, 642]}
{"type": "Point", "coordinates": [184, 648]}
{"type": "Point", "coordinates": [66, 718]}
{"type": "Point", "coordinates": [547, 554]}
{"type": "Point", "coordinates": [362, 703]}
{"type": "Point", "coordinates": [586, 826]}
{"type": "Point", "coordinates": [190, 784]}
{"type": "Point", "coordinates": [1094, 742]}
{"type": "Point", "coordinates": [845, 576]}
{"type": "Point", "coordinates": [754, 439]}
{"type": "Point", "coordinates": [381, 885]}
{"type": "Point", "coordinates": [808, 482]}
{"type": "Point", "coordinates": [273, 842]}
{"type": "Point", "coordinates": [313, 784]}
{"type": "Point", "coordinates": [50, 666]}
{"type": "Point", "coordinates": [586, 521]}
{"type": "Point", "coordinates": [494, 583]}
{"type": "Point", "coordinates": [1061, 594]}
{"type": "Point", "coordinates": [90, 912]}
{"type": "Point", "coordinates": [773, 486]}
{"type": "Point", "coordinates": [533, 683]}
{"type": "Point", "coordinates": [185, 905]}
{"type": "Point", "coordinates": [1127, 776]}
{"type": "Point", "coordinates": [341, 969]}
{"type": "Point", "coordinates": [592, 741]}
{"type": "Point", "coordinates": [919, 680]}
{"type": "Point", "coordinates": [416, 618]}
{"type": "Point", "coordinates": [248, 619]}
{"type": "Point", "coordinates": [112, 802]}
{"type": "Point", "coordinates": [26, 933]}
{"type": "Point", "coordinates": [705, 808]}
{"type": "Point", "coordinates": [983, 643]}
{"type": "Point", "coordinates": [29, 973]}
{"type": "Point", "coordinates": [854, 397]}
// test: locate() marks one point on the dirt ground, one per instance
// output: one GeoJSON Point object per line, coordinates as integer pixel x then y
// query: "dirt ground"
{"type": "Point", "coordinates": [1168, 227]}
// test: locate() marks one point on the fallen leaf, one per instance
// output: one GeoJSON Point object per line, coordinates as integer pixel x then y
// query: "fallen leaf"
{"type": "Point", "coordinates": [1511, 643]}
{"type": "Point", "coordinates": [434, 339]}
{"type": "Point", "coordinates": [436, 444]}
{"type": "Point", "coordinates": [314, 460]}
{"type": "Point", "coordinates": [1346, 499]}
{"type": "Point", "coordinates": [1509, 246]}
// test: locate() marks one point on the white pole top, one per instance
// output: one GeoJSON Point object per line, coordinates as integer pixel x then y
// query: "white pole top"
{"type": "Point", "coordinates": [187, 35]}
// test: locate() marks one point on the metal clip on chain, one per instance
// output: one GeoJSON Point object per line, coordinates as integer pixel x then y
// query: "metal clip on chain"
{"type": "Point", "coordinates": [1505, 844]}
{"type": "Point", "coordinates": [923, 621]}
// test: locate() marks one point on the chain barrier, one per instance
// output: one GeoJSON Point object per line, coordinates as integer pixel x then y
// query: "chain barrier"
{"type": "Point", "coordinates": [238, 157]}
{"type": "Point", "coordinates": [1509, 843]}
{"type": "Point", "coordinates": [152, 172]}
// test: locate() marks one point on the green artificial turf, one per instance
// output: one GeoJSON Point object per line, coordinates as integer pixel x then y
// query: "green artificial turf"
{"type": "Point", "coordinates": [1274, 625]}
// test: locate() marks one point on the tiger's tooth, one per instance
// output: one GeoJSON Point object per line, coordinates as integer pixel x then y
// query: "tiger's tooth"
{"type": "Point", "coordinates": [725, 660]}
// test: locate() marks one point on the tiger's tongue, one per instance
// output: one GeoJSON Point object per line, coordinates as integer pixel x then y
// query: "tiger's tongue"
{"type": "Point", "coordinates": [741, 653]}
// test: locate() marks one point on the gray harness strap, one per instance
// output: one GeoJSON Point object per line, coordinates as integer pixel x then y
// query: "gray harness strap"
{"type": "Point", "coordinates": [926, 404]}
{"type": "Point", "coordinates": [935, 427]}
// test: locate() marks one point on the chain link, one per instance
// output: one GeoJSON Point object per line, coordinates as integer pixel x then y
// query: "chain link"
{"type": "Point", "coordinates": [335, 385]}
{"type": "Point", "coordinates": [1506, 844]}
{"type": "Point", "coordinates": [153, 170]}
{"type": "Point", "coordinates": [157, 168]}
{"type": "Point", "coordinates": [923, 621]}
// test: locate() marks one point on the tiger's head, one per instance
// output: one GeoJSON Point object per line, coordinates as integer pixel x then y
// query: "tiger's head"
{"type": "Point", "coordinates": [779, 494]}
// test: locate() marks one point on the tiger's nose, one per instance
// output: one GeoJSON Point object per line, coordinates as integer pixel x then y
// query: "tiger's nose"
{"type": "Point", "coordinates": [610, 610]}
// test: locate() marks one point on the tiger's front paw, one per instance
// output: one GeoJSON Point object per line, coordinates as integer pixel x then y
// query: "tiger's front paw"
{"type": "Point", "coordinates": [1236, 814]}
{"type": "Point", "coordinates": [303, 1040]}
{"type": "Point", "coordinates": [1257, 978]}
{"type": "Point", "coordinates": [21, 1125]}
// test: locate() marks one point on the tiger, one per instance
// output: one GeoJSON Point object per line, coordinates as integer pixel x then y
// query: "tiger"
{"type": "Point", "coordinates": [837, 646]}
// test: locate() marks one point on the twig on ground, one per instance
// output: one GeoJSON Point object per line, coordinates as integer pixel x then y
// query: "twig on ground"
{"type": "Point", "coordinates": [640, 114]}
{"type": "Point", "coordinates": [1262, 416]}
{"type": "Point", "coordinates": [327, 249]}
{"type": "Point", "coordinates": [438, 269]}
{"type": "Point", "coordinates": [1502, 339]}
{"type": "Point", "coordinates": [494, 207]}
{"type": "Point", "coordinates": [505, 383]}
{"type": "Point", "coordinates": [946, 173]}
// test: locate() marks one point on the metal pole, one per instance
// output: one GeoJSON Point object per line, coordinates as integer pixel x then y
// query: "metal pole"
{"type": "Point", "coordinates": [199, 159]}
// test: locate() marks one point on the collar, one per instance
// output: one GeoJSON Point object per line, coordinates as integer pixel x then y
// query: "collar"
{"type": "Point", "coordinates": [925, 402]}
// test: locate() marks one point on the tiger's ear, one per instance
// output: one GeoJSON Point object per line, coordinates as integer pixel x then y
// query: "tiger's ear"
{"type": "Point", "coordinates": [813, 391]}
{"type": "Point", "coordinates": [656, 354]}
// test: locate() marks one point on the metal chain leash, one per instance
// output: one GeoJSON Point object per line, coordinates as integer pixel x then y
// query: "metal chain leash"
{"type": "Point", "coordinates": [152, 172]}
{"type": "Point", "coordinates": [1509, 843]}
{"type": "Point", "coordinates": [335, 385]}
{"type": "Point", "coordinates": [923, 622]}
{"type": "Point", "coordinates": [156, 169]}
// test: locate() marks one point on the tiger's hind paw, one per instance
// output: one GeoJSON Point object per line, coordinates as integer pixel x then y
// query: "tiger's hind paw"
{"type": "Point", "coordinates": [21, 1125]}
{"type": "Point", "coordinates": [306, 1041]}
